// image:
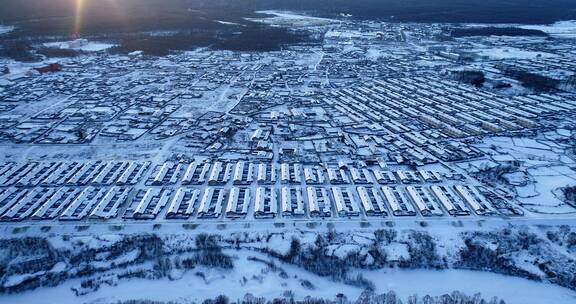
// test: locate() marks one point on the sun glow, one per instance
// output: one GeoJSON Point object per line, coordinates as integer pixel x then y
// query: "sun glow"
{"type": "Point", "coordinates": [102, 10]}
{"type": "Point", "coordinates": [78, 17]}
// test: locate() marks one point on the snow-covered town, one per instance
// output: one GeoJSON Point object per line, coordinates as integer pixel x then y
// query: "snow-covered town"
{"type": "Point", "coordinates": [376, 122]}
{"type": "Point", "coordinates": [378, 145]}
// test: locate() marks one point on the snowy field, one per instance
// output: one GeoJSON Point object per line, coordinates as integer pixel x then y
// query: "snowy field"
{"type": "Point", "coordinates": [486, 283]}
{"type": "Point", "coordinates": [80, 45]}
{"type": "Point", "coordinates": [256, 272]}
{"type": "Point", "coordinates": [561, 29]}
{"type": "Point", "coordinates": [193, 288]}
{"type": "Point", "coordinates": [281, 18]}
{"type": "Point", "coordinates": [228, 23]}
{"type": "Point", "coordinates": [545, 168]}
{"type": "Point", "coordinates": [6, 29]}
{"type": "Point", "coordinates": [501, 53]}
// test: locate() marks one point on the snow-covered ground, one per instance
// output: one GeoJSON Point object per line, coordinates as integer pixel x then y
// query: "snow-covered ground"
{"type": "Point", "coordinates": [6, 29]}
{"type": "Point", "coordinates": [18, 68]}
{"type": "Point", "coordinates": [561, 29]}
{"type": "Point", "coordinates": [247, 277]}
{"type": "Point", "coordinates": [546, 182]}
{"type": "Point", "coordinates": [254, 277]}
{"type": "Point", "coordinates": [80, 45]}
{"type": "Point", "coordinates": [545, 169]}
{"type": "Point", "coordinates": [253, 273]}
{"type": "Point", "coordinates": [499, 53]}
{"type": "Point", "coordinates": [227, 22]}
{"type": "Point", "coordinates": [282, 18]}
{"type": "Point", "coordinates": [510, 289]}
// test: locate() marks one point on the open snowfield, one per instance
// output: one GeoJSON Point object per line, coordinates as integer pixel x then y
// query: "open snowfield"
{"type": "Point", "coordinates": [87, 46]}
{"type": "Point", "coordinates": [561, 29]}
{"type": "Point", "coordinates": [544, 170]}
{"type": "Point", "coordinates": [253, 274]}
{"type": "Point", "coordinates": [546, 181]}
{"type": "Point", "coordinates": [501, 53]}
{"type": "Point", "coordinates": [248, 277]}
{"type": "Point", "coordinates": [193, 288]}
{"type": "Point", "coordinates": [228, 22]}
{"type": "Point", "coordinates": [488, 284]}
{"type": "Point", "coordinates": [6, 29]}
{"type": "Point", "coordinates": [282, 18]}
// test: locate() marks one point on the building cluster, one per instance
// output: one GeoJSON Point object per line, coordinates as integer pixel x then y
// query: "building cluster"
{"type": "Point", "coordinates": [219, 189]}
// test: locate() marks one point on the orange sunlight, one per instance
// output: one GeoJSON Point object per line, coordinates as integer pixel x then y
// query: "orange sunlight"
{"type": "Point", "coordinates": [78, 17]}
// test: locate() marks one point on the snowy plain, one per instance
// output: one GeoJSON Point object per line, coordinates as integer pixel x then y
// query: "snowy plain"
{"type": "Point", "coordinates": [253, 277]}
{"type": "Point", "coordinates": [561, 29]}
{"type": "Point", "coordinates": [87, 46]}
{"type": "Point", "coordinates": [499, 53]}
{"type": "Point", "coordinates": [6, 29]}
